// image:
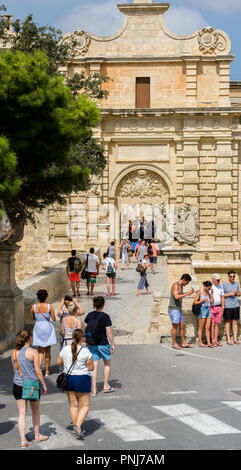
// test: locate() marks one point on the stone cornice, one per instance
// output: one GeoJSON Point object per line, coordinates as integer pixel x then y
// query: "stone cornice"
{"type": "Point", "coordinates": [143, 59]}
{"type": "Point", "coordinates": [170, 111]}
{"type": "Point", "coordinates": [143, 7]}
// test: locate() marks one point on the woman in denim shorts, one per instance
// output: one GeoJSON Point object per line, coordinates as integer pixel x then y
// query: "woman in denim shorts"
{"type": "Point", "coordinates": [204, 297]}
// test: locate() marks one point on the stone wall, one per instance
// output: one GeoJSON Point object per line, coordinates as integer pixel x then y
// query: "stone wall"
{"type": "Point", "coordinates": [53, 279]}
{"type": "Point", "coordinates": [161, 322]}
{"type": "Point", "coordinates": [33, 253]}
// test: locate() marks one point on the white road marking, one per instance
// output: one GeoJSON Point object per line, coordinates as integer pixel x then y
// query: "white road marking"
{"type": "Point", "coordinates": [233, 404]}
{"type": "Point", "coordinates": [59, 438]}
{"type": "Point", "coordinates": [180, 392]}
{"type": "Point", "coordinates": [210, 358]}
{"type": "Point", "coordinates": [197, 420]}
{"type": "Point", "coordinates": [123, 426]}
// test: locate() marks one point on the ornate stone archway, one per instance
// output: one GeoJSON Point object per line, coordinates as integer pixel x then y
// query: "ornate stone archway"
{"type": "Point", "coordinates": [137, 194]}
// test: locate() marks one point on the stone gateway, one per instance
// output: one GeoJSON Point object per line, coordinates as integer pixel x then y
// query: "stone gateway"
{"type": "Point", "coordinates": [171, 134]}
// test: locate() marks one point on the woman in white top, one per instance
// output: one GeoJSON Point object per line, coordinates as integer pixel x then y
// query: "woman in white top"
{"type": "Point", "coordinates": [79, 379]}
{"type": "Point", "coordinates": [110, 267]}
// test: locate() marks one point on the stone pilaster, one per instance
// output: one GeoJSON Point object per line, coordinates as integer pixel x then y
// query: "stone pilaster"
{"type": "Point", "coordinates": [191, 83]}
{"type": "Point", "coordinates": [224, 83]}
{"type": "Point", "coordinates": [207, 184]}
{"type": "Point", "coordinates": [11, 297]}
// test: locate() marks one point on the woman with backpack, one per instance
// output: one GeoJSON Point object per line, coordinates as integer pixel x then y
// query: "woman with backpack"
{"type": "Point", "coordinates": [143, 281]}
{"type": "Point", "coordinates": [79, 379]}
{"type": "Point", "coordinates": [110, 267]}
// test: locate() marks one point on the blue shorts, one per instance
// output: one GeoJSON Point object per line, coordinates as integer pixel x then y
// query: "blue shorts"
{"type": "Point", "coordinates": [153, 259]}
{"type": "Point", "coordinates": [79, 383]}
{"type": "Point", "coordinates": [176, 316]}
{"type": "Point", "coordinates": [204, 312]}
{"type": "Point", "coordinates": [99, 352]}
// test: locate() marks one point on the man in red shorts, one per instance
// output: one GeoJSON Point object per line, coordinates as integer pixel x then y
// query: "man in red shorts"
{"type": "Point", "coordinates": [73, 276]}
{"type": "Point", "coordinates": [217, 308]}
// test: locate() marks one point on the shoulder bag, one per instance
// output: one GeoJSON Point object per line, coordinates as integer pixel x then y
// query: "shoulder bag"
{"type": "Point", "coordinates": [140, 269]}
{"type": "Point", "coordinates": [62, 379]}
{"type": "Point", "coordinates": [84, 273]}
{"type": "Point", "coordinates": [31, 388]}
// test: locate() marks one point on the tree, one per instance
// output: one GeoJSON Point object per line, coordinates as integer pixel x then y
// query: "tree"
{"type": "Point", "coordinates": [86, 156]}
{"type": "Point", "coordinates": [29, 37]}
{"type": "Point", "coordinates": [41, 120]}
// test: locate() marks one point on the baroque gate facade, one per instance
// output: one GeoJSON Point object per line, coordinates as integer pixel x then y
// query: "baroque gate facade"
{"type": "Point", "coordinates": [170, 132]}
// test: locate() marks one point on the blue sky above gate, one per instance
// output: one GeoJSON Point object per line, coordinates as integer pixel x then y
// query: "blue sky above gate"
{"type": "Point", "coordinates": [102, 17]}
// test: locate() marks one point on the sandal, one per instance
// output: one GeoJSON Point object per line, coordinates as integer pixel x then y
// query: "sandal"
{"type": "Point", "coordinates": [40, 438]}
{"type": "Point", "coordinates": [25, 444]}
{"type": "Point", "coordinates": [109, 390]}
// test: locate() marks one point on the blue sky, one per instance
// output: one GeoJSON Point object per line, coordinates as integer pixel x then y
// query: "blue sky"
{"type": "Point", "coordinates": [102, 17]}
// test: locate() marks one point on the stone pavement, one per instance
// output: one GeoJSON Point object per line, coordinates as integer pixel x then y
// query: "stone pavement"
{"type": "Point", "coordinates": [130, 314]}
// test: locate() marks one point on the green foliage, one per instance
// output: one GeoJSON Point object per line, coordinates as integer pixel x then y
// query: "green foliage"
{"type": "Point", "coordinates": [47, 119]}
{"type": "Point", "coordinates": [42, 120]}
{"type": "Point", "coordinates": [29, 37]}
{"type": "Point", "coordinates": [10, 184]}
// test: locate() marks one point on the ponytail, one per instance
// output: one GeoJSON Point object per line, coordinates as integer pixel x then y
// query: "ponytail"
{"type": "Point", "coordinates": [22, 338]}
{"type": "Point", "coordinates": [77, 336]}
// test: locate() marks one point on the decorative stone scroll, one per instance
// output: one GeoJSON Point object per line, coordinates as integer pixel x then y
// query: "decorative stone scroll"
{"type": "Point", "coordinates": [211, 40]}
{"type": "Point", "coordinates": [80, 39]}
{"type": "Point", "coordinates": [142, 184]}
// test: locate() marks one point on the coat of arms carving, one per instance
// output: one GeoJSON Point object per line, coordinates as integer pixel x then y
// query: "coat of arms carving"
{"type": "Point", "coordinates": [79, 40]}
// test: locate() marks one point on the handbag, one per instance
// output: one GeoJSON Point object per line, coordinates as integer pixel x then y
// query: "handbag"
{"type": "Point", "coordinates": [196, 309]}
{"type": "Point", "coordinates": [84, 273]}
{"type": "Point", "coordinates": [140, 269]}
{"type": "Point", "coordinates": [62, 379]}
{"type": "Point", "coordinates": [31, 388]}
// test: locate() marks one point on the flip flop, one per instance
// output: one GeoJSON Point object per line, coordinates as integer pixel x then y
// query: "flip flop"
{"type": "Point", "coordinates": [109, 390]}
{"type": "Point", "coordinates": [177, 348]}
{"type": "Point", "coordinates": [188, 346]}
{"type": "Point", "coordinates": [41, 438]}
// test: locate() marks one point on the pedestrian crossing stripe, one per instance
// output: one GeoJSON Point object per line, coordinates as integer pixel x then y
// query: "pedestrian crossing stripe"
{"type": "Point", "coordinates": [123, 426]}
{"type": "Point", "coordinates": [233, 404]}
{"type": "Point", "coordinates": [58, 437]}
{"type": "Point", "coordinates": [128, 429]}
{"type": "Point", "coordinates": [201, 422]}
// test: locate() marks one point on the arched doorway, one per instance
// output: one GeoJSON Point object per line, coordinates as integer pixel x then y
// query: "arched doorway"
{"type": "Point", "coordinates": [139, 195]}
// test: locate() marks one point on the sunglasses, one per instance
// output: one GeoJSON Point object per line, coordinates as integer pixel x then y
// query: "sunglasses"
{"type": "Point", "coordinates": [232, 277]}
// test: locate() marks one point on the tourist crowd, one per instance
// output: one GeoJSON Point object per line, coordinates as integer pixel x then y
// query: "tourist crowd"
{"type": "Point", "coordinates": [84, 344]}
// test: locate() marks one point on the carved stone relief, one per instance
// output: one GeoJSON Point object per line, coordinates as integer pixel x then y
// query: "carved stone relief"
{"type": "Point", "coordinates": [211, 40]}
{"type": "Point", "coordinates": [183, 225]}
{"type": "Point", "coordinates": [142, 184]}
{"type": "Point", "coordinates": [81, 41]}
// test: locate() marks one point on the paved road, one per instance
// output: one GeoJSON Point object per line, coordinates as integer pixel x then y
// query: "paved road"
{"type": "Point", "coordinates": [165, 399]}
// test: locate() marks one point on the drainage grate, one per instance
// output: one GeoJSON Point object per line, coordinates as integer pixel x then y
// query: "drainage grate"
{"type": "Point", "coordinates": [184, 355]}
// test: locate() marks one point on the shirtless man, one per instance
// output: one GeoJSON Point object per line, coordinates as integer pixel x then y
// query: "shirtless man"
{"type": "Point", "coordinates": [175, 309]}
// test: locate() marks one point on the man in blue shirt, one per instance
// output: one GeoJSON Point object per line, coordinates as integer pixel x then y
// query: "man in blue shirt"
{"type": "Point", "coordinates": [231, 309]}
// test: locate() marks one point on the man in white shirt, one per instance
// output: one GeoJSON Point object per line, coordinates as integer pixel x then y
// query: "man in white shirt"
{"type": "Point", "coordinates": [216, 308]}
{"type": "Point", "coordinates": [92, 267]}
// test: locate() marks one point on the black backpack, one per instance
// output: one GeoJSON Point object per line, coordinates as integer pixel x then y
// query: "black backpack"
{"type": "Point", "coordinates": [93, 329]}
{"type": "Point", "coordinates": [150, 250]}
